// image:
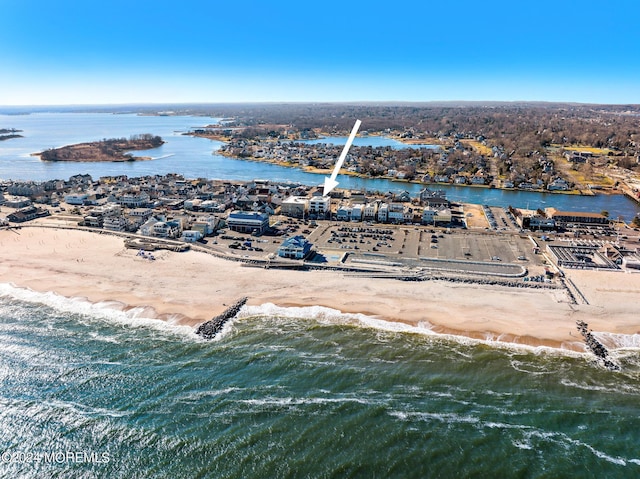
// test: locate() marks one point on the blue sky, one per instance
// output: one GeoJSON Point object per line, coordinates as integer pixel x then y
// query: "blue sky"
{"type": "Point", "coordinates": [87, 52]}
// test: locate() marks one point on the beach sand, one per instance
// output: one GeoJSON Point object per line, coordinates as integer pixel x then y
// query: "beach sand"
{"type": "Point", "coordinates": [189, 288]}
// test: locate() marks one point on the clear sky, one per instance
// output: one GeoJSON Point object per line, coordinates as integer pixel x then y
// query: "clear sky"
{"type": "Point", "coordinates": [143, 51]}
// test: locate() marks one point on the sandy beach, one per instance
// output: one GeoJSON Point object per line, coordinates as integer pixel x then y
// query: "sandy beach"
{"type": "Point", "coordinates": [189, 288]}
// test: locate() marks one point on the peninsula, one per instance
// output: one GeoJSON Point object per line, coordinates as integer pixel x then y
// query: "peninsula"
{"type": "Point", "coordinates": [114, 149]}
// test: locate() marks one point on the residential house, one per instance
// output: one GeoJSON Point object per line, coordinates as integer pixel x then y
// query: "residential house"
{"type": "Point", "coordinates": [396, 213]}
{"type": "Point", "coordinates": [383, 213]}
{"type": "Point", "coordinates": [559, 184]}
{"type": "Point", "coordinates": [370, 211]}
{"type": "Point", "coordinates": [27, 214]}
{"type": "Point", "coordinates": [191, 236]}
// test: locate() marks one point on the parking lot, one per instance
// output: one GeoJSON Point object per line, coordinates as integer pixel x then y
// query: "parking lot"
{"type": "Point", "coordinates": [393, 245]}
{"type": "Point", "coordinates": [404, 245]}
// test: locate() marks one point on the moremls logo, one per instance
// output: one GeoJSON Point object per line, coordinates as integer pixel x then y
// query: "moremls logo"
{"type": "Point", "coordinates": [76, 457]}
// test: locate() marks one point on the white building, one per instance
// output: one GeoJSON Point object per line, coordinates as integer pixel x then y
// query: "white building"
{"type": "Point", "coordinates": [294, 206]}
{"type": "Point", "coordinates": [191, 236]}
{"type": "Point", "coordinates": [17, 201]}
{"type": "Point", "coordinates": [443, 216]}
{"type": "Point", "coordinates": [370, 212]}
{"type": "Point", "coordinates": [432, 216]}
{"type": "Point", "coordinates": [193, 204]}
{"type": "Point", "coordinates": [133, 200]}
{"type": "Point", "coordinates": [320, 206]}
{"type": "Point", "coordinates": [76, 198]}
{"type": "Point", "coordinates": [166, 229]}
{"type": "Point", "coordinates": [383, 213]}
{"type": "Point", "coordinates": [206, 225]}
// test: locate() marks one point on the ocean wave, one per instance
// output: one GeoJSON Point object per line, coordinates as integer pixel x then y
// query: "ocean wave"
{"type": "Point", "coordinates": [330, 316]}
{"type": "Point", "coordinates": [618, 341]}
{"type": "Point", "coordinates": [301, 401]}
{"type": "Point", "coordinates": [529, 433]}
{"type": "Point", "coordinates": [111, 311]}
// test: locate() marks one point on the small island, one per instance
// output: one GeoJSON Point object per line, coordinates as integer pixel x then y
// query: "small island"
{"type": "Point", "coordinates": [114, 149]}
{"type": "Point", "coordinates": [9, 133]}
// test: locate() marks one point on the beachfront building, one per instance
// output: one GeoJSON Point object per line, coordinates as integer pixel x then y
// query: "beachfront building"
{"type": "Point", "coordinates": [295, 247]}
{"type": "Point", "coordinates": [114, 223]}
{"type": "Point", "coordinates": [206, 225]}
{"type": "Point", "coordinates": [27, 214]}
{"type": "Point", "coordinates": [160, 228]}
{"type": "Point", "coordinates": [320, 207]}
{"type": "Point", "coordinates": [248, 222]}
{"type": "Point", "coordinates": [166, 229]}
{"type": "Point", "coordinates": [294, 206]}
{"type": "Point", "coordinates": [191, 236]}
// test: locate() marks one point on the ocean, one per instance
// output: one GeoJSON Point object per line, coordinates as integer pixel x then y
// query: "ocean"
{"type": "Point", "coordinates": [92, 391]}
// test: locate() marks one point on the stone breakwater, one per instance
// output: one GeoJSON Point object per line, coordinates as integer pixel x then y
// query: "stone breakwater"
{"type": "Point", "coordinates": [209, 329]}
{"type": "Point", "coordinates": [596, 346]}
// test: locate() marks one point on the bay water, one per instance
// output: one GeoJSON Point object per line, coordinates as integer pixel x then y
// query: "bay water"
{"type": "Point", "coordinates": [196, 158]}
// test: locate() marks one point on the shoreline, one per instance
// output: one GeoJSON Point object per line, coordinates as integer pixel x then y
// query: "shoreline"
{"type": "Point", "coordinates": [191, 287]}
{"type": "Point", "coordinates": [343, 171]}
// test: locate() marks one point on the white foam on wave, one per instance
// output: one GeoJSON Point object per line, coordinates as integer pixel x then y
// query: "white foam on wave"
{"type": "Point", "coordinates": [527, 431]}
{"type": "Point", "coordinates": [325, 315]}
{"type": "Point", "coordinates": [618, 341]}
{"type": "Point", "coordinates": [111, 311]}
{"type": "Point", "coordinates": [301, 401]}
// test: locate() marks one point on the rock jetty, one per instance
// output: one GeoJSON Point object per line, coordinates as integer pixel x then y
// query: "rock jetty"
{"type": "Point", "coordinates": [596, 346]}
{"type": "Point", "coordinates": [209, 329]}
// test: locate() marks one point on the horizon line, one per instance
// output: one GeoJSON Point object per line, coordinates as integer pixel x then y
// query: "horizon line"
{"type": "Point", "coordinates": [315, 102]}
